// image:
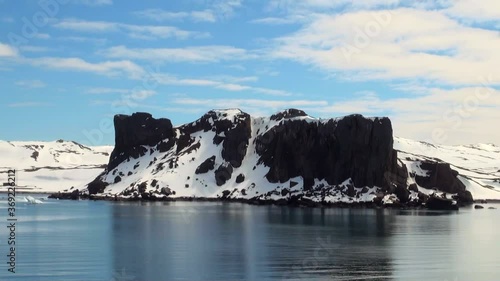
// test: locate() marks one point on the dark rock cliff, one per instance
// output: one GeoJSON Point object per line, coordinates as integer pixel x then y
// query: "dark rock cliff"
{"type": "Point", "coordinates": [132, 132]}
{"type": "Point", "coordinates": [352, 147]}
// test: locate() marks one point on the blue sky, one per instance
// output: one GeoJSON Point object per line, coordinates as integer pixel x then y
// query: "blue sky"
{"type": "Point", "coordinates": [67, 66]}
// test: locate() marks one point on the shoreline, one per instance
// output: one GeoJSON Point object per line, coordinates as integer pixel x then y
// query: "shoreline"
{"type": "Point", "coordinates": [281, 202]}
{"type": "Point", "coordinates": [297, 202]}
{"type": "Point", "coordinates": [292, 202]}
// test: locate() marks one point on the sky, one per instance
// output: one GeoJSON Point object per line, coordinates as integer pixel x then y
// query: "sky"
{"type": "Point", "coordinates": [68, 66]}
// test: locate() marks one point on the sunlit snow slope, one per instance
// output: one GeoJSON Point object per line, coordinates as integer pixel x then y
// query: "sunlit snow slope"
{"type": "Point", "coordinates": [51, 166]}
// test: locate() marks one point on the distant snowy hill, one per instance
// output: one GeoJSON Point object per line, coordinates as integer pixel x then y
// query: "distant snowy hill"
{"type": "Point", "coordinates": [478, 165]}
{"type": "Point", "coordinates": [51, 166]}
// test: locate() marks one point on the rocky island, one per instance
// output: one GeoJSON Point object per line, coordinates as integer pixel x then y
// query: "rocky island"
{"type": "Point", "coordinates": [287, 158]}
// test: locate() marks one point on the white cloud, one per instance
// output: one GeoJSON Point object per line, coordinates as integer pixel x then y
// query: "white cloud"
{"type": "Point", "coordinates": [31, 84]}
{"type": "Point", "coordinates": [485, 10]}
{"type": "Point", "coordinates": [134, 31]}
{"type": "Point", "coordinates": [163, 15]}
{"type": "Point", "coordinates": [7, 51]}
{"type": "Point", "coordinates": [188, 54]}
{"type": "Point", "coordinates": [404, 43]}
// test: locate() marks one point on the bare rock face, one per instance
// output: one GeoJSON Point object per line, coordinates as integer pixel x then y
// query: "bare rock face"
{"type": "Point", "coordinates": [442, 177]}
{"type": "Point", "coordinates": [97, 185]}
{"type": "Point", "coordinates": [206, 166]}
{"type": "Point", "coordinates": [336, 150]}
{"type": "Point", "coordinates": [131, 132]}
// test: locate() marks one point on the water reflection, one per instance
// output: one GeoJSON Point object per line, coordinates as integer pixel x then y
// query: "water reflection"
{"type": "Point", "coordinates": [105, 241]}
{"type": "Point", "coordinates": [186, 241]}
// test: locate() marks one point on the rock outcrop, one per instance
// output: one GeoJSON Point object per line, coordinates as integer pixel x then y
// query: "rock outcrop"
{"type": "Point", "coordinates": [351, 147]}
{"type": "Point", "coordinates": [135, 131]}
{"type": "Point", "coordinates": [441, 177]}
{"type": "Point", "coordinates": [288, 156]}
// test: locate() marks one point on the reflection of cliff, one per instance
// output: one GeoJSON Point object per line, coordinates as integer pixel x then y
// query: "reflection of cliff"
{"type": "Point", "coordinates": [191, 242]}
{"type": "Point", "coordinates": [242, 242]}
{"type": "Point", "coordinates": [334, 244]}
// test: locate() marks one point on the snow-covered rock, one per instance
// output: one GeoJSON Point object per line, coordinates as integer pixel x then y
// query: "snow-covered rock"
{"type": "Point", "coordinates": [478, 165]}
{"type": "Point", "coordinates": [287, 156]}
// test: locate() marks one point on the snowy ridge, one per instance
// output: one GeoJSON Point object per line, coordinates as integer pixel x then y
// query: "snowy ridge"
{"type": "Point", "coordinates": [51, 166]}
{"type": "Point", "coordinates": [478, 165]}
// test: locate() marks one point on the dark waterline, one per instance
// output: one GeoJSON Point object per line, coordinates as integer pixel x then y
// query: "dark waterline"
{"type": "Point", "coordinates": [102, 240]}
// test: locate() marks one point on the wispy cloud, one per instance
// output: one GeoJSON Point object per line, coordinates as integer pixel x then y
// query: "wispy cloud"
{"type": "Point", "coordinates": [34, 49]}
{"type": "Point", "coordinates": [136, 94]}
{"type": "Point", "coordinates": [223, 84]}
{"type": "Point", "coordinates": [273, 20]}
{"type": "Point", "coordinates": [134, 31]}
{"type": "Point", "coordinates": [110, 68]}
{"type": "Point", "coordinates": [31, 84]}
{"type": "Point", "coordinates": [163, 15]}
{"type": "Point", "coordinates": [100, 91]}
{"type": "Point", "coordinates": [81, 39]}
{"type": "Point", "coordinates": [188, 54]}
{"type": "Point", "coordinates": [224, 9]}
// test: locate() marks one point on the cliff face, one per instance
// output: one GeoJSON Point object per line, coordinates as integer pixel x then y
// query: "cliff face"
{"type": "Point", "coordinates": [352, 147]}
{"type": "Point", "coordinates": [134, 132]}
{"type": "Point", "coordinates": [229, 154]}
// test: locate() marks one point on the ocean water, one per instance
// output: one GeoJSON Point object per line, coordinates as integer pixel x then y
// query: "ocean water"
{"type": "Point", "coordinates": [122, 241]}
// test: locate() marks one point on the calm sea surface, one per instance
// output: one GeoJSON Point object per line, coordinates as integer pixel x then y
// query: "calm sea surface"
{"type": "Point", "coordinates": [109, 241]}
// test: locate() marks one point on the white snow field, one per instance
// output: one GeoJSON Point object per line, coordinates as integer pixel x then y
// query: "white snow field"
{"type": "Point", "coordinates": [44, 167]}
